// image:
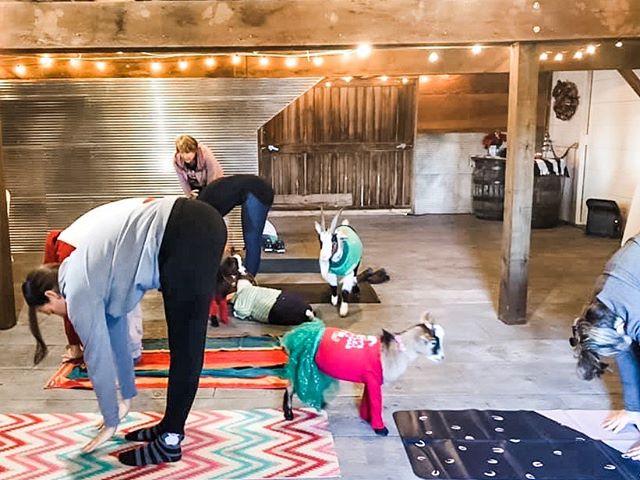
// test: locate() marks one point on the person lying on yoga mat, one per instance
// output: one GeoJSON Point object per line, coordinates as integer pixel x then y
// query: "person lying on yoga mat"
{"type": "Point", "coordinates": [60, 244]}
{"type": "Point", "coordinates": [610, 326]}
{"type": "Point", "coordinates": [173, 244]}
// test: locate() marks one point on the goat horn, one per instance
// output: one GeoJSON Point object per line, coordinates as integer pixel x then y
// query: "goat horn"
{"type": "Point", "coordinates": [324, 226]}
{"type": "Point", "coordinates": [334, 222]}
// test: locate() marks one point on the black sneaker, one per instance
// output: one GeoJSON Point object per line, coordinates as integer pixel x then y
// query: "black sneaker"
{"type": "Point", "coordinates": [279, 246]}
{"type": "Point", "coordinates": [267, 245]}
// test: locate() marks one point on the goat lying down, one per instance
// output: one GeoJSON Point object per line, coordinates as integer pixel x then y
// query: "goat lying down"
{"type": "Point", "coordinates": [342, 355]}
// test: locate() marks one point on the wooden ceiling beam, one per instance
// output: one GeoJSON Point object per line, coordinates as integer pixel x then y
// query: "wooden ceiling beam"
{"type": "Point", "coordinates": [632, 79]}
{"type": "Point", "coordinates": [251, 24]}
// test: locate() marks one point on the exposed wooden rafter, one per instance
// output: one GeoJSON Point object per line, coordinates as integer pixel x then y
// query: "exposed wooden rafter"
{"type": "Point", "coordinates": [309, 23]}
{"type": "Point", "coordinates": [632, 79]}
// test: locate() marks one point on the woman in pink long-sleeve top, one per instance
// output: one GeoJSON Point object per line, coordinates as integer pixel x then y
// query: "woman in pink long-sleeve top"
{"type": "Point", "coordinates": [195, 164]}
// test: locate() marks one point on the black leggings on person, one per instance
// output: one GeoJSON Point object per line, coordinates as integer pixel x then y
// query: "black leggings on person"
{"type": "Point", "coordinates": [189, 258]}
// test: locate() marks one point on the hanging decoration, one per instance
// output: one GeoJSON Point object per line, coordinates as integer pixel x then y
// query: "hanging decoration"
{"type": "Point", "coordinates": [565, 99]}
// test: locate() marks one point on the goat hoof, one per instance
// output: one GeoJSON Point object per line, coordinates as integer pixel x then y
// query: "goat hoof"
{"type": "Point", "coordinates": [344, 309]}
{"type": "Point", "coordinates": [288, 415]}
{"type": "Point", "coordinates": [334, 300]}
{"type": "Point", "coordinates": [381, 431]}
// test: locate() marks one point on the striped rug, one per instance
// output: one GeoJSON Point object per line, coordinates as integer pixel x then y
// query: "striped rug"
{"type": "Point", "coordinates": [222, 444]}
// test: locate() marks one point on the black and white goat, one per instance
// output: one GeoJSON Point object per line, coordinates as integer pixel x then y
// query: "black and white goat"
{"type": "Point", "coordinates": [367, 359]}
{"type": "Point", "coordinates": [340, 256]}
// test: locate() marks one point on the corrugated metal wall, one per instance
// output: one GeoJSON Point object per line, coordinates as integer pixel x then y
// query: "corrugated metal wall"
{"type": "Point", "coordinates": [70, 145]}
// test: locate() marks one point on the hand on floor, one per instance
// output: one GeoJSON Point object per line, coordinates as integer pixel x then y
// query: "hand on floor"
{"type": "Point", "coordinates": [634, 452]}
{"type": "Point", "coordinates": [104, 434]}
{"type": "Point", "coordinates": [72, 353]}
{"type": "Point", "coordinates": [616, 421]}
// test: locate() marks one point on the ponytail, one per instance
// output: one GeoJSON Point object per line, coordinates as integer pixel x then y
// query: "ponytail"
{"type": "Point", "coordinates": [38, 281]}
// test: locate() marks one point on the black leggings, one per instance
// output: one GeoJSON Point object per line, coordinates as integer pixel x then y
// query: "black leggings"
{"type": "Point", "coordinates": [289, 309]}
{"type": "Point", "coordinates": [190, 254]}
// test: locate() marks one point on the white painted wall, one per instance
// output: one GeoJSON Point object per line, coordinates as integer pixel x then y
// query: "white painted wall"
{"type": "Point", "coordinates": [442, 172]}
{"type": "Point", "coordinates": [607, 126]}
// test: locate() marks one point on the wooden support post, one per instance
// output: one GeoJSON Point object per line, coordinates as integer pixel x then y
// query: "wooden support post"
{"type": "Point", "coordinates": [632, 79]}
{"type": "Point", "coordinates": [521, 135]}
{"type": "Point", "coordinates": [7, 301]}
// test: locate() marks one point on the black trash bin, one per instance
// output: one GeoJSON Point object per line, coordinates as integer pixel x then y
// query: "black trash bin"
{"type": "Point", "coordinates": [604, 218]}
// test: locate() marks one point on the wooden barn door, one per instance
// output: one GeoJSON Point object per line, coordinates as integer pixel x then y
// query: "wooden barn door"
{"type": "Point", "coordinates": [349, 145]}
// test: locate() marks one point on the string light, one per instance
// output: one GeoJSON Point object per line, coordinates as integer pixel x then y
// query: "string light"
{"type": "Point", "coordinates": [544, 56]}
{"type": "Point", "coordinates": [591, 49]}
{"type": "Point", "coordinates": [291, 62]}
{"type": "Point", "coordinates": [536, 29]}
{"type": "Point", "coordinates": [235, 59]}
{"type": "Point", "coordinates": [20, 70]}
{"type": "Point", "coordinates": [578, 55]}
{"type": "Point", "coordinates": [183, 65]}
{"type": "Point", "coordinates": [327, 84]}
{"type": "Point", "coordinates": [317, 61]}
{"type": "Point", "coordinates": [405, 80]}
{"type": "Point", "coordinates": [347, 79]}
{"type": "Point", "coordinates": [558, 57]}
{"type": "Point", "coordinates": [433, 57]}
{"type": "Point", "coordinates": [75, 62]}
{"type": "Point", "coordinates": [476, 49]}
{"type": "Point", "coordinates": [384, 78]}
{"type": "Point", "coordinates": [156, 67]}
{"type": "Point", "coordinates": [101, 66]}
{"type": "Point", "coordinates": [618, 44]}
{"type": "Point", "coordinates": [424, 78]}
{"type": "Point", "coordinates": [536, 5]}
{"type": "Point", "coordinates": [264, 61]}
{"type": "Point", "coordinates": [210, 62]}
{"type": "Point", "coordinates": [363, 50]}
{"type": "Point", "coordinates": [46, 61]}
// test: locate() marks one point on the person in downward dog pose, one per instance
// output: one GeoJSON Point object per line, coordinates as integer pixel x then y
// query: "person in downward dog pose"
{"type": "Point", "coordinates": [610, 326]}
{"type": "Point", "coordinates": [319, 355]}
{"type": "Point", "coordinates": [173, 244]}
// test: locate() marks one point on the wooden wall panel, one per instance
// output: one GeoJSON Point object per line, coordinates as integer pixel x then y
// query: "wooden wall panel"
{"type": "Point", "coordinates": [351, 139]}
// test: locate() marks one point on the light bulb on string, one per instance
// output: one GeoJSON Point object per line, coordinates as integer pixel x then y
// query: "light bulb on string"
{"type": "Point", "coordinates": [591, 49]}
{"type": "Point", "coordinates": [156, 67]}
{"type": "Point", "coordinates": [618, 44]}
{"type": "Point", "coordinates": [424, 78]}
{"type": "Point", "coordinates": [46, 61]}
{"type": "Point", "coordinates": [433, 57]}
{"type": "Point", "coordinates": [291, 62]}
{"type": "Point", "coordinates": [476, 49]}
{"type": "Point", "coordinates": [578, 55]}
{"type": "Point", "coordinates": [384, 78]}
{"type": "Point", "coordinates": [327, 84]}
{"type": "Point", "coordinates": [347, 79]}
{"type": "Point", "coordinates": [536, 29]}
{"type": "Point", "coordinates": [558, 57]}
{"type": "Point", "coordinates": [363, 50]}
{"type": "Point", "coordinates": [101, 66]}
{"type": "Point", "coordinates": [210, 62]}
{"type": "Point", "coordinates": [235, 59]}
{"type": "Point", "coordinates": [264, 61]}
{"type": "Point", "coordinates": [183, 65]}
{"type": "Point", "coordinates": [544, 56]}
{"type": "Point", "coordinates": [75, 62]}
{"type": "Point", "coordinates": [317, 61]}
{"type": "Point", "coordinates": [405, 80]}
{"type": "Point", "coordinates": [20, 70]}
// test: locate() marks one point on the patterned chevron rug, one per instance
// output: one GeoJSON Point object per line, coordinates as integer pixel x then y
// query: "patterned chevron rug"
{"type": "Point", "coordinates": [222, 444]}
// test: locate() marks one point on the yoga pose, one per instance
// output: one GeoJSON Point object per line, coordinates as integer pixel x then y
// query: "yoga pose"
{"type": "Point", "coordinates": [319, 355]}
{"type": "Point", "coordinates": [173, 244]}
{"type": "Point", "coordinates": [255, 196]}
{"type": "Point", "coordinates": [195, 165]}
{"type": "Point", "coordinates": [610, 326]}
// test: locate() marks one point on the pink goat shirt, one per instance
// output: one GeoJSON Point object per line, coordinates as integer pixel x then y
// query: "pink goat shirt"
{"type": "Point", "coordinates": [355, 358]}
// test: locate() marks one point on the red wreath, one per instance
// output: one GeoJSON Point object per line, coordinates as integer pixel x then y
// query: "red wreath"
{"type": "Point", "coordinates": [494, 138]}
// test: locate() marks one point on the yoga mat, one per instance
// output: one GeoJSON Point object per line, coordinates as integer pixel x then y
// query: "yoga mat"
{"type": "Point", "coordinates": [289, 265]}
{"type": "Point", "coordinates": [220, 444]}
{"type": "Point", "coordinates": [507, 445]}
{"type": "Point", "coordinates": [229, 362]}
{"type": "Point", "coordinates": [321, 292]}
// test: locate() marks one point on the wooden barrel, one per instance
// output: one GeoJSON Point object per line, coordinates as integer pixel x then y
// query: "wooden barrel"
{"type": "Point", "coordinates": [488, 193]}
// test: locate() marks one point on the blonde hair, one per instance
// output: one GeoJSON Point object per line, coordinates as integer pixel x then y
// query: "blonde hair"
{"type": "Point", "coordinates": [186, 144]}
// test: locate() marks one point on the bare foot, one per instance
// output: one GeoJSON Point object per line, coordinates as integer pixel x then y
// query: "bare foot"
{"type": "Point", "coordinates": [72, 353]}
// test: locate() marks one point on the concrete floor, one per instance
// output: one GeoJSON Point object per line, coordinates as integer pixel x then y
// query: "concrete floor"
{"type": "Point", "coordinates": [449, 265]}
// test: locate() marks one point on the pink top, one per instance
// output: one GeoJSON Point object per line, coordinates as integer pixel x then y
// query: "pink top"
{"type": "Point", "coordinates": [355, 358]}
{"type": "Point", "coordinates": [207, 169]}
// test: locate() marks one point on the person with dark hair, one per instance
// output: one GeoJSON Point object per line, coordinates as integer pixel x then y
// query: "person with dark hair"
{"type": "Point", "coordinates": [610, 326]}
{"type": "Point", "coordinates": [255, 196]}
{"type": "Point", "coordinates": [195, 165]}
{"type": "Point", "coordinates": [174, 244]}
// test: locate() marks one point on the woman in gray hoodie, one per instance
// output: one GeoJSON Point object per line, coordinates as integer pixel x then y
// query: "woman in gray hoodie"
{"type": "Point", "coordinates": [173, 244]}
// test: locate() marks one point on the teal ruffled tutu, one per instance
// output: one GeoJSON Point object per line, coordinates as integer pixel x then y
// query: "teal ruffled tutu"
{"type": "Point", "coordinates": [311, 385]}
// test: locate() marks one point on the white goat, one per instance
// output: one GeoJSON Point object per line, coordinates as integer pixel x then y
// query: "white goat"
{"type": "Point", "coordinates": [340, 256]}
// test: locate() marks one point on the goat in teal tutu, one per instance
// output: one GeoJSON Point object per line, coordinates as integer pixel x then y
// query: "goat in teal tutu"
{"type": "Point", "coordinates": [340, 256]}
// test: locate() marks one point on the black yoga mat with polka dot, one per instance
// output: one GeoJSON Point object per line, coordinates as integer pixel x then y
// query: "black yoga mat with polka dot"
{"type": "Point", "coordinates": [505, 445]}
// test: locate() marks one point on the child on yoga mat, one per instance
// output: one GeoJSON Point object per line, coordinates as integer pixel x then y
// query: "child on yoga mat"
{"type": "Point", "coordinates": [610, 326]}
{"type": "Point", "coordinates": [174, 244]}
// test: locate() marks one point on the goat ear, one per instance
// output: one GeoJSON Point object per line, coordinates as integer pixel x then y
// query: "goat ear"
{"type": "Point", "coordinates": [318, 228]}
{"type": "Point", "coordinates": [387, 337]}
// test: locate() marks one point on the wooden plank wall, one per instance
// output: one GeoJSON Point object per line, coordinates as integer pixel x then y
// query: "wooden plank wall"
{"type": "Point", "coordinates": [353, 137]}
{"type": "Point", "coordinates": [472, 103]}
